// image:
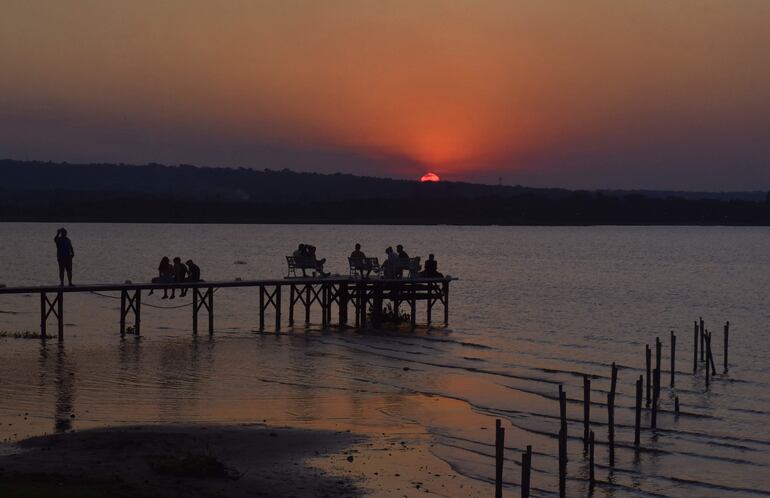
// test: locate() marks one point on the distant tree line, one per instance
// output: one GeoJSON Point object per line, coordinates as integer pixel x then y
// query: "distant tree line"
{"type": "Point", "coordinates": [34, 191]}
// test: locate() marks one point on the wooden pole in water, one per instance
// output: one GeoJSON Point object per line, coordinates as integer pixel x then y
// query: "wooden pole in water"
{"type": "Point", "coordinates": [695, 349]}
{"type": "Point", "coordinates": [638, 419]}
{"type": "Point", "coordinates": [591, 474]}
{"type": "Point", "coordinates": [708, 370]}
{"type": "Point", "coordinates": [526, 471]}
{"type": "Point", "coordinates": [586, 411]}
{"type": "Point", "coordinates": [562, 463]}
{"type": "Point", "coordinates": [654, 419]}
{"type": "Point", "coordinates": [673, 357]}
{"type": "Point", "coordinates": [658, 353]}
{"type": "Point", "coordinates": [563, 408]}
{"type": "Point", "coordinates": [676, 405]}
{"type": "Point", "coordinates": [727, 339]}
{"type": "Point", "coordinates": [138, 312]}
{"type": "Point", "coordinates": [702, 339]}
{"type": "Point", "coordinates": [710, 356]}
{"type": "Point", "coordinates": [614, 379]}
{"type": "Point", "coordinates": [648, 358]}
{"type": "Point", "coordinates": [499, 456]}
{"type": "Point", "coordinates": [611, 425]}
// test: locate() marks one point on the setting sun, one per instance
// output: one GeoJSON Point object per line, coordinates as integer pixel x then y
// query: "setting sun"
{"type": "Point", "coordinates": [430, 177]}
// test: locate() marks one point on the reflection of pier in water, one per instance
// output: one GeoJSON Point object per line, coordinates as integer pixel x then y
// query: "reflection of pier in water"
{"type": "Point", "coordinates": [365, 297]}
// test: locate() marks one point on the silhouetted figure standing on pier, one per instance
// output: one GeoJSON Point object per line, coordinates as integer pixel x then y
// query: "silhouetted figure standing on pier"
{"type": "Point", "coordinates": [391, 266]}
{"type": "Point", "coordinates": [64, 255]}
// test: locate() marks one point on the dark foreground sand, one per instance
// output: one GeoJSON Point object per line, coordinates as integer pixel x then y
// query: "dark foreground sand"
{"type": "Point", "coordinates": [177, 461]}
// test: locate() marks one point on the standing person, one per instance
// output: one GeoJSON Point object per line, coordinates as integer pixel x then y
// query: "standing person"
{"type": "Point", "coordinates": [180, 273]}
{"type": "Point", "coordinates": [64, 255]}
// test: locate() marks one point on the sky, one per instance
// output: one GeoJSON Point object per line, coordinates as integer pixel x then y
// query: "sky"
{"type": "Point", "coordinates": [658, 94]}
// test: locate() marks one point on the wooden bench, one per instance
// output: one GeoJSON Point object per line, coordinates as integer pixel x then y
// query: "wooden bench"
{"type": "Point", "coordinates": [299, 263]}
{"type": "Point", "coordinates": [360, 265]}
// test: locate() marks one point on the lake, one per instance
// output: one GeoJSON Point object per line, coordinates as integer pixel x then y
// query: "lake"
{"type": "Point", "coordinates": [534, 307]}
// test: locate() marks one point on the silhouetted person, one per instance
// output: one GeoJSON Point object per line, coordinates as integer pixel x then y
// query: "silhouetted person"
{"type": "Point", "coordinates": [300, 251]}
{"type": "Point", "coordinates": [193, 272]}
{"type": "Point", "coordinates": [392, 266]}
{"type": "Point", "coordinates": [319, 263]}
{"type": "Point", "coordinates": [165, 275]}
{"type": "Point", "coordinates": [402, 254]}
{"type": "Point", "coordinates": [64, 255]}
{"type": "Point", "coordinates": [180, 273]}
{"type": "Point", "coordinates": [360, 262]}
{"type": "Point", "coordinates": [431, 268]}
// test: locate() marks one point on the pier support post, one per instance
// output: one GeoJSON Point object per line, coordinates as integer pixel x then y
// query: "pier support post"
{"type": "Point", "coordinates": [277, 307]}
{"type": "Point", "coordinates": [291, 305]}
{"type": "Point", "coordinates": [499, 458]}
{"type": "Point", "coordinates": [702, 340]}
{"type": "Point", "coordinates": [261, 308]}
{"type": "Point", "coordinates": [55, 308]}
{"type": "Point", "coordinates": [413, 305]}
{"type": "Point", "coordinates": [307, 303]}
{"type": "Point", "coordinates": [446, 303]}
{"type": "Point", "coordinates": [526, 471]}
{"type": "Point", "coordinates": [343, 304]}
{"type": "Point", "coordinates": [130, 302]}
{"type": "Point", "coordinates": [203, 299]}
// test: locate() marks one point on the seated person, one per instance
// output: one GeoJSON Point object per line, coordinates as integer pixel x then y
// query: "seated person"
{"type": "Point", "coordinates": [318, 264]}
{"type": "Point", "coordinates": [392, 265]}
{"type": "Point", "coordinates": [180, 274]}
{"type": "Point", "coordinates": [431, 268]}
{"type": "Point", "coordinates": [165, 275]}
{"type": "Point", "coordinates": [193, 272]}
{"type": "Point", "coordinates": [359, 261]}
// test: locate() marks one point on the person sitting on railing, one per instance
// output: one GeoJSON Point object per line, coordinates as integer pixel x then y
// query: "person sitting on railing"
{"type": "Point", "coordinates": [165, 275]}
{"type": "Point", "coordinates": [360, 263]}
{"type": "Point", "coordinates": [180, 274]}
{"type": "Point", "coordinates": [431, 268]}
{"type": "Point", "coordinates": [193, 272]}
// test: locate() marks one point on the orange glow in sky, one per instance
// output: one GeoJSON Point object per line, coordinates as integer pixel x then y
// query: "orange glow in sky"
{"type": "Point", "coordinates": [548, 92]}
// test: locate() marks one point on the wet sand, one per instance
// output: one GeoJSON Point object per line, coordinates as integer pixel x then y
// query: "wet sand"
{"type": "Point", "coordinates": [190, 461]}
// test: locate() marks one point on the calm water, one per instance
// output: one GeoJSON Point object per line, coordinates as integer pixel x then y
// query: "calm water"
{"type": "Point", "coordinates": [535, 307]}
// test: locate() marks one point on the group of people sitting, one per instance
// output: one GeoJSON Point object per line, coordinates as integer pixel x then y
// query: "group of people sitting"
{"type": "Point", "coordinates": [395, 263]}
{"type": "Point", "coordinates": [176, 273]}
{"type": "Point", "coordinates": [306, 259]}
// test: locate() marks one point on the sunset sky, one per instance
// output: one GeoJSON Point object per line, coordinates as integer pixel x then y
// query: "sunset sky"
{"type": "Point", "coordinates": [667, 94]}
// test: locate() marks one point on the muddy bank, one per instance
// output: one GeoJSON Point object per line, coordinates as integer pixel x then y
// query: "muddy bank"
{"type": "Point", "coordinates": [171, 461]}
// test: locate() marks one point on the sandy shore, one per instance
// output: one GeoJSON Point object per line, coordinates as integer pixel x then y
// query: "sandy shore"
{"type": "Point", "coordinates": [177, 461]}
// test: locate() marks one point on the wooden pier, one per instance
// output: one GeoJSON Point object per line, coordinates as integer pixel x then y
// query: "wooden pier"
{"type": "Point", "coordinates": [328, 293]}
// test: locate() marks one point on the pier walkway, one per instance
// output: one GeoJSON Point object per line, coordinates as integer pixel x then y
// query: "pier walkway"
{"type": "Point", "coordinates": [325, 292]}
